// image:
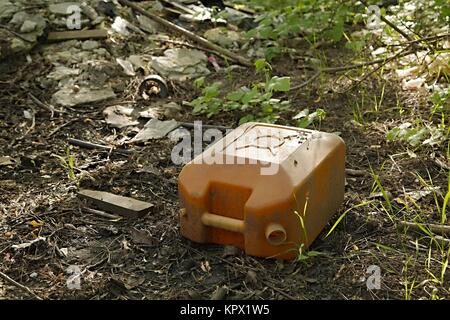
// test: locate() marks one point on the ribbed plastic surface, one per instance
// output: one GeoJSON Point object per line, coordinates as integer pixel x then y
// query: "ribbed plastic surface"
{"type": "Point", "coordinates": [267, 189]}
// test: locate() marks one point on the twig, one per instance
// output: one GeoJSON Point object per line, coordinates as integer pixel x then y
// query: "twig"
{"type": "Point", "coordinates": [89, 145]}
{"type": "Point", "coordinates": [439, 238]}
{"type": "Point", "coordinates": [39, 103]}
{"type": "Point", "coordinates": [426, 39]}
{"type": "Point", "coordinates": [20, 286]}
{"type": "Point", "coordinates": [286, 295]}
{"type": "Point", "coordinates": [399, 54]}
{"type": "Point", "coordinates": [179, 6]}
{"type": "Point", "coordinates": [103, 214]}
{"type": "Point", "coordinates": [355, 173]}
{"type": "Point", "coordinates": [304, 84]}
{"type": "Point", "coordinates": [435, 228]}
{"type": "Point", "coordinates": [187, 44]}
{"type": "Point", "coordinates": [60, 127]}
{"type": "Point", "coordinates": [205, 126]}
{"type": "Point", "coordinates": [15, 33]}
{"type": "Point", "coordinates": [188, 34]}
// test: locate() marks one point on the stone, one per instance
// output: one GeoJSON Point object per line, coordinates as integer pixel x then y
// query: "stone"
{"type": "Point", "coordinates": [148, 24]}
{"type": "Point", "coordinates": [7, 9]}
{"type": "Point", "coordinates": [19, 18]}
{"type": "Point", "coordinates": [28, 26]}
{"type": "Point", "coordinates": [155, 129]}
{"type": "Point", "coordinates": [172, 110]}
{"type": "Point", "coordinates": [181, 64]}
{"type": "Point", "coordinates": [69, 97]}
{"type": "Point", "coordinates": [63, 8]}
{"type": "Point", "coordinates": [90, 45]}
{"type": "Point", "coordinates": [61, 72]}
{"type": "Point", "coordinates": [119, 117]}
{"type": "Point", "coordinates": [223, 37]}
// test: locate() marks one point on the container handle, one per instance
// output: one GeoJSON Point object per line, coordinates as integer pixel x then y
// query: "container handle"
{"type": "Point", "coordinates": [221, 222]}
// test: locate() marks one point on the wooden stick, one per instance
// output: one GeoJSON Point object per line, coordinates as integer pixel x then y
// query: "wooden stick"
{"type": "Point", "coordinates": [189, 34]}
{"type": "Point", "coordinates": [39, 103]}
{"type": "Point", "coordinates": [111, 217]}
{"type": "Point", "coordinates": [89, 145]}
{"type": "Point", "coordinates": [79, 35]}
{"type": "Point", "coordinates": [435, 228]}
{"type": "Point", "coordinates": [20, 286]}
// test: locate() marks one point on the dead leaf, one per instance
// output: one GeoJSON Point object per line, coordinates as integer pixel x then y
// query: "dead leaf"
{"type": "Point", "coordinates": [7, 161]}
{"type": "Point", "coordinates": [126, 245]}
{"type": "Point", "coordinates": [252, 277]}
{"type": "Point", "coordinates": [36, 224]}
{"type": "Point", "coordinates": [141, 237]}
{"type": "Point", "coordinates": [205, 266]}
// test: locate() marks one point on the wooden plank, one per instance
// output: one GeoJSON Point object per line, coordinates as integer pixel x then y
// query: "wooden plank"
{"type": "Point", "coordinates": [124, 206]}
{"type": "Point", "coordinates": [78, 35]}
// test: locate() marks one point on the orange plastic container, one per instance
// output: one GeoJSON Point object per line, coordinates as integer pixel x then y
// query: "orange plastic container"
{"type": "Point", "coordinates": [266, 189]}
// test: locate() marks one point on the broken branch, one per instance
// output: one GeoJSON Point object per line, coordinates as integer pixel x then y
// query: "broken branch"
{"type": "Point", "coordinates": [89, 145]}
{"type": "Point", "coordinates": [435, 228]}
{"type": "Point", "coordinates": [189, 34]}
{"type": "Point", "coordinates": [20, 286]}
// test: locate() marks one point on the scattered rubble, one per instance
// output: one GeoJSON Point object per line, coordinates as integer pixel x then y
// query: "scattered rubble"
{"type": "Point", "coordinates": [119, 117]}
{"type": "Point", "coordinates": [155, 129]}
{"type": "Point", "coordinates": [181, 64]}
{"type": "Point", "coordinates": [224, 37]}
{"type": "Point", "coordinates": [76, 96]}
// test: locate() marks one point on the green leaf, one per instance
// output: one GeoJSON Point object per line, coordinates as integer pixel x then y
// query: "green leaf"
{"type": "Point", "coordinates": [418, 137]}
{"type": "Point", "coordinates": [212, 91]}
{"type": "Point", "coordinates": [304, 122]}
{"type": "Point", "coordinates": [200, 82]}
{"type": "Point", "coordinates": [357, 45]}
{"type": "Point", "coordinates": [282, 84]}
{"type": "Point", "coordinates": [247, 118]}
{"type": "Point", "coordinates": [249, 96]}
{"type": "Point", "coordinates": [235, 95]}
{"type": "Point", "coordinates": [261, 64]}
{"type": "Point", "coordinates": [336, 32]}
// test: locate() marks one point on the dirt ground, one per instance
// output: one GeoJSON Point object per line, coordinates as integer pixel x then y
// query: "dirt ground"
{"type": "Point", "coordinates": [147, 258]}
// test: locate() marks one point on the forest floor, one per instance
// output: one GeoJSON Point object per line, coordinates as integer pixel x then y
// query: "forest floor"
{"type": "Point", "coordinates": [147, 258]}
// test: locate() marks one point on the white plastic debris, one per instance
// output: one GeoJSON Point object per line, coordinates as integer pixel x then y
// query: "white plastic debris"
{"type": "Point", "coordinates": [27, 244]}
{"type": "Point", "coordinates": [413, 84]}
{"type": "Point", "coordinates": [27, 114]}
{"type": "Point", "coordinates": [379, 51]}
{"type": "Point", "coordinates": [405, 73]}
{"type": "Point", "coordinates": [120, 26]}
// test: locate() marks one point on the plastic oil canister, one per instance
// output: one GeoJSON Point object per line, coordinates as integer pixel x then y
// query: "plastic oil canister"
{"type": "Point", "coordinates": [266, 189]}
